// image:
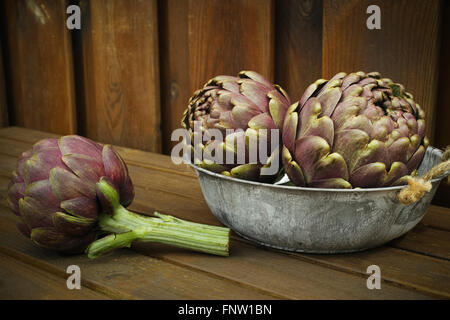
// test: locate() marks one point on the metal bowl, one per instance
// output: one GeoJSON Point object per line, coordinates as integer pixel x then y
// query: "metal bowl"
{"type": "Point", "coordinates": [314, 220]}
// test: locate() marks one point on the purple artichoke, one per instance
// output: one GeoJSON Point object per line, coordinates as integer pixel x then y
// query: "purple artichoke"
{"type": "Point", "coordinates": [68, 191]}
{"type": "Point", "coordinates": [53, 190]}
{"type": "Point", "coordinates": [354, 130]}
{"type": "Point", "coordinates": [246, 104]}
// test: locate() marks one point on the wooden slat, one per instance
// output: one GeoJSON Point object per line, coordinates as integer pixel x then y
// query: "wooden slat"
{"type": "Point", "coordinates": [437, 217]}
{"type": "Point", "coordinates": [404, 268]}
{"type": "Point", "coordinates": [25, 135]}
{"type": "Point", "coordinates": [120, 66]}
{"type": "Point", "coordinates": [425, 240]}
{"type": "Point", "coordinates": [150, 199]}
{"type": "Point", "coordinates": [405, 49]}
{"type": "Point", "coordinates": [298, 279]}
{"type": "Point", "coordinates": [23, 139]}
{"type": "Point", "coordinates": [20, 280]}
{"type": "Point", "coordinates": [298, 45]}
{"type": "Point", "coordinates": [245, 27]}
{"type": "Point", "coordinates": [205, 38]}
{"type": "Point", "coordinates": [4, 119]}
{"type": "Point", "coordinates": [175, 75]}
{"type": "Point", "coordinates": [38, 52]}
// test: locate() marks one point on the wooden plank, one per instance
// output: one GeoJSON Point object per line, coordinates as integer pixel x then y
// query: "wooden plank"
{"type": "Point", "coordinates": [124, 274]}
{"type": "Point", "coordinates": [26, 137]}
{"type": "Point", "coordinates": [425, 240]}
{"type": "Point", "coordinates": [437, 217]}
{"type": "Point", "coordinates": [25, 134]}
{"type": "Point", "coordinates": [19, 280]}
{"type": "Point", "coordinates": [298, 45]}
{"type": "Point", "coordinates": [38, 52]}
{"type": "Point", "coordinates": [250, 35]}
{"type": "Point", "coordinates": [404, 268]}
{"type": "Point", "coordinates": [175, 68]}
{"type": "Point", "coordinates": [406, 49]}
{"type": "Point", "coordinates": [121, 93]}
{"type": "Point", "coordinates": [205, 38]}
{"type": "Point", "coordinates": [296, 278]}
{"type": "Point", "coordinates": [4, 119]}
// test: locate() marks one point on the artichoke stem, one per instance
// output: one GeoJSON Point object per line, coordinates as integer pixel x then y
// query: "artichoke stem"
{"type": "Point", "coordinates": [114, 241]}
{"type": "Point", "coordinates": [129, 226]}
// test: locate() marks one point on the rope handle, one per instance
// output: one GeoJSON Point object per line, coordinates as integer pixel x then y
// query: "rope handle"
{"type": "Point", "coordinates": [417, 187]}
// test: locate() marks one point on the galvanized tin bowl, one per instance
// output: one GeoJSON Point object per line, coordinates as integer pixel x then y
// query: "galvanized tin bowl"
{"type": "Point", "coordinates": [314, 220]}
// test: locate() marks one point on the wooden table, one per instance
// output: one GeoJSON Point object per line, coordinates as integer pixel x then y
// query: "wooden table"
{"type": "Point", "coordinates": [415, 266]}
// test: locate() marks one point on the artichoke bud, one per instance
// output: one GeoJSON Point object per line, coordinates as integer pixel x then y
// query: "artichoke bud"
{"type": "Point", "coordinates": [379, 139]}
{"type": "Point", "coordinates": [241, 107]}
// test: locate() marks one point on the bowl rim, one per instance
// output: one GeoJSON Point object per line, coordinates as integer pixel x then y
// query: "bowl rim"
{"type": "Point", "coordinates": [279, 186]}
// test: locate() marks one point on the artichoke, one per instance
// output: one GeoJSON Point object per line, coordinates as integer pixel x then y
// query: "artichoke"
{"type": "Point", "coordinates": [68, 191]}
{"type": "Point", "coordinates": [240, 108]}
{"type": "Point", "coordinates": [354, 130]}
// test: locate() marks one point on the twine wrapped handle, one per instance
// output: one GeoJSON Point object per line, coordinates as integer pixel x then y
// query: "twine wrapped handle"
{"type": "Point", "coordinates": [417, 187]}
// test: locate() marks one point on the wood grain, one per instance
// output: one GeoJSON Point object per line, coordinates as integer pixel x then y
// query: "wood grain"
{"type": "Point", "coordinates": [4, 119]}
{"type": "Point", "coordinates": [437, 217]}
{"type": "Point", "coordinates": [175, 68]}
{"type": "Point", "coordinates": [21, 281]}
{"type": "Point", "coordinates": [432, 242]}
{"type": "Point", "coordinates": [205, 38]}
{"type": "Point", "coordinates": [298, 45]}
{"type": "Point", "coordinates": [406, 49]}
{"type": "Point", "coordinates": [39, 65]}
{"type": "Point", "coordinates": [120, 66]}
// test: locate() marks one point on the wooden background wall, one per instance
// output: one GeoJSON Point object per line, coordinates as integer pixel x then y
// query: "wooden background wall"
{"type": "Point", "coordinates": [126, 76]}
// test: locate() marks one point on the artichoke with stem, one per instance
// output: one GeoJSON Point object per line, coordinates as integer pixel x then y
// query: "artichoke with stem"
{"type": "Point", "coordinates": [241, 108]}
{"type": "Point", "coordinates": [354, 130]}
{"type": "Point", "coordinates": [68, 191]}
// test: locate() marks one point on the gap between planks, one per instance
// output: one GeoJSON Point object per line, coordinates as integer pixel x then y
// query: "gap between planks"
{"type": "Point", "coordinates": [48, 268]}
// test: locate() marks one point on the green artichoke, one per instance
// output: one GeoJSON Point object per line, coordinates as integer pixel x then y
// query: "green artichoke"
{"type": "Point", "coordinates": [354, 130]}
{"type": "Point", "coordinates": [240, 108]}
{"type": "Point", "coordinates": [68, 191]}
